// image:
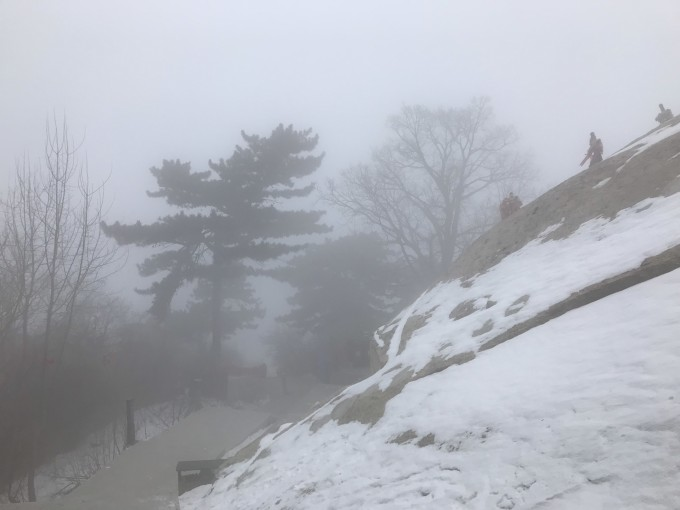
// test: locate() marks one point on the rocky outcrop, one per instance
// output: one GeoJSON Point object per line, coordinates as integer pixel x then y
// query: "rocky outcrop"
{"type": "Point", "coordinates": [618, 182]}
{"type": "Point", "coordinates": [644, 169]}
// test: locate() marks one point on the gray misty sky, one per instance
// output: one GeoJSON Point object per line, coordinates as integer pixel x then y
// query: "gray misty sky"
{"type": "Point", "coordinates": [154, 79]}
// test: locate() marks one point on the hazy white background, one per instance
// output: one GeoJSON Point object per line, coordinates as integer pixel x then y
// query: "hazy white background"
{"type": "Point", "coordinates": [148, 80]}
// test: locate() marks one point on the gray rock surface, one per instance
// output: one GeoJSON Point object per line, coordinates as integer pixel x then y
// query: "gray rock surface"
{"type": "Point", "coordinates": [619, 182]}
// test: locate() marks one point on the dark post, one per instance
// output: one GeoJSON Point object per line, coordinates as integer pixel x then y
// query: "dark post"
{"type": "Point", "coordinates": [284, 386]}
{"type": "Point", "coordinates": [194, 396]}
{"type": "Point", "coordinates": [130, 430]}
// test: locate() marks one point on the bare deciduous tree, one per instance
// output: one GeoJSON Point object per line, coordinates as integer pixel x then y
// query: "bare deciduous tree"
{"type": "Point", "coordinates": [53, 253]}
{"type": "Point", "coordinates": [429, 189]}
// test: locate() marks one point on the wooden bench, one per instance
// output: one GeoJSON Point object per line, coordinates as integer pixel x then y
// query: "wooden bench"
{"type": "Point", "coordinates": [194, 473]}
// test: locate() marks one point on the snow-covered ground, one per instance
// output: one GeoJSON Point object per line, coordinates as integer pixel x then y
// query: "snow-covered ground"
{"type": "Point", "coordinates": [581, 412]}
{"type": "Point", "coordinates": [529, 281]}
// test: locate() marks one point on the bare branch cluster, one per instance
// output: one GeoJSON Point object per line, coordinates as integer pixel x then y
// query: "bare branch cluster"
{"type": "Point", "coordinates": [52, 256]}
{"type": "Point", "coordinates": [427, 191]}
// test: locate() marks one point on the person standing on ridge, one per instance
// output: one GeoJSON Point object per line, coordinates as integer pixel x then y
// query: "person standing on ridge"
{"type": "Point", "coordinates": [595, 151]}
{"type": "Point", "coordinates": [665, 115]}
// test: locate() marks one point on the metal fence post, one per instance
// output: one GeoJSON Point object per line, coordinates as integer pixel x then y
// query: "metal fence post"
{"type": "Point", "coordinates": [130, 430]}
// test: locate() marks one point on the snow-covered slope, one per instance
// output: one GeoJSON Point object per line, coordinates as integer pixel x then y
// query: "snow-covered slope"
{"type": "Point", "coordinates": [544, 374]}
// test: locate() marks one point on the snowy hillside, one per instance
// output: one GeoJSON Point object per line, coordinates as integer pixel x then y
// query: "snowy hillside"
{"type": "Point", "coordinates": [544, 374]}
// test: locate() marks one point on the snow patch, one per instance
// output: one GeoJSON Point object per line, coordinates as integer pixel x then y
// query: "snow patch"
{"type": "Point", "coordinates": [602, 183]}
{"type": "Point", "coordinates": [581, 412]}
{"type": "Point", "coordinates": [649, 140]}
{"type": "Point", "coordinates": [549, 230]}
{"type": "Point", "coordinates": [548, 271]}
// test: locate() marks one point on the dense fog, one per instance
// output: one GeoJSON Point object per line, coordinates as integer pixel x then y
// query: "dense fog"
{"type": "Point", "coordinates": [196, 192]}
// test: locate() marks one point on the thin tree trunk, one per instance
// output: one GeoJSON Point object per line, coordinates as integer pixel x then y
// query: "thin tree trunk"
{"type": "Point", "coordinates": [218, 370]}
{"type": "Point", "coordinates": [216, 318]}
{"type": "Point", "coordinates": [31, 468]}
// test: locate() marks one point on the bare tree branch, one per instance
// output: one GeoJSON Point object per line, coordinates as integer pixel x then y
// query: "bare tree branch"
{"type": "Point", "coordinates": [52, 253]}
{"type": "Point", "coordinates": [425, 188]}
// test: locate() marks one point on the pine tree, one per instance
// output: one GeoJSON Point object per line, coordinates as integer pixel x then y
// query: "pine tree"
{"type": "Point", "coordinates": [229, 215]}
{"type": "Point", "coordinates": [345, 289]}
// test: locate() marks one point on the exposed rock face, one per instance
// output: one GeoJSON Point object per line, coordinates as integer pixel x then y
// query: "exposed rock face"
{"type": "Point", "coordinates": [382, 339]}
{"type": "Point", "coordinates": [625, 179]}
{"type": "Point", "coordinates": [619, 182]}
{"type": "Point", "coordinates": [652, 267]}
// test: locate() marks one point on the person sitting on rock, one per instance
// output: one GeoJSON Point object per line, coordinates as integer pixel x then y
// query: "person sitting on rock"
{"type": "Point", "coordinates": [665, 115]}
{"type": "Point", "coordinates": [515, 203]}
{"type": "Point", "coordinates": [595, 150]}
{"type": "Point", "coordinates": [504, 208]}
{"type": "Point", "coordinates": [510, 205]}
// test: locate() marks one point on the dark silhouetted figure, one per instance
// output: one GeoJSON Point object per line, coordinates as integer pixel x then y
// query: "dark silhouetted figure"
{"type": "Point", "coordinates": [665, 115]}
{"type": "Point", "coordinates": [595, 150]}
{"type": "Point", "coordinates": [510, 205]}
